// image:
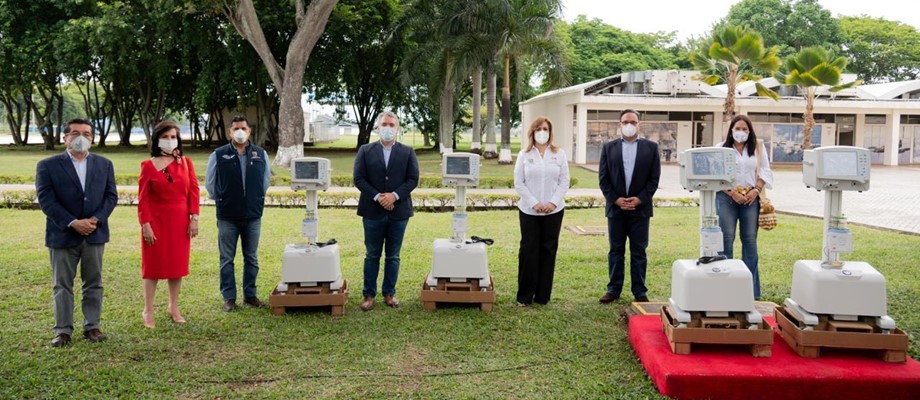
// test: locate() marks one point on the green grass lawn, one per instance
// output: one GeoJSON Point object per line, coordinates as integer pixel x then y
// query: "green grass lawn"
{"type": "Point", "coordinates": [21, 161]}
{"type": "Point", "coordinates": [572, 348]}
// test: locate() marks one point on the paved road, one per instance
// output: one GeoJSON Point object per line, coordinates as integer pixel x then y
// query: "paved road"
{"type": "Point", "coordinates": [893, 201]}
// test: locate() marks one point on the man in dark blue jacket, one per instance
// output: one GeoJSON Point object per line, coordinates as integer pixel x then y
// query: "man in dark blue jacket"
{"type": "Point", "coordinates": [76, 191]}
{"type": "Point", "coordinates": [385, 172]}
{"type": "Point", "coordinates": [629, 170]}
{"type": "Point", "coordinates": [237, 179]}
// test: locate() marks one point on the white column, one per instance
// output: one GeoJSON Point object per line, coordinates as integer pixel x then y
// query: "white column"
{"type": "Point", "coordinates": [891, 145]}
{"type": "Point", "coordinates": [581, 135]}
{"type": "Point", "coordinates": [859, 131]}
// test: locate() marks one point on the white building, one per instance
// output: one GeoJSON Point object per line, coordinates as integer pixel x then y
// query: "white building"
{"type": "Point", "coordinates": [680, 112]}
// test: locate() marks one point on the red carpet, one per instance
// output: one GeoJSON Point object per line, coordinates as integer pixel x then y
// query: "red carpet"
{"type": "Point", "coordinates": [730, 372]}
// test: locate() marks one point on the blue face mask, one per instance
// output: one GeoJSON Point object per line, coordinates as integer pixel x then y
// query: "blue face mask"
{"type": "Point", "coordinates": [388, 134]}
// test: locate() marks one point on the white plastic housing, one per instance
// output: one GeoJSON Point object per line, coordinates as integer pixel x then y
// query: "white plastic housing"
{"type": "Point", "coordinates": [459, 260]}
{"type": "Point", "coordinates": [855, 289]}
{"type": "Point", "coordinates": [836, 168]}
{"type": "Point", "coordinates": [707, 168]}
{"type": "Point", "coordinates": [310, 173]}
{"type": "Point", "coordinates": [310, 264]}
{"type": "Point", "coordinates": [724, 285]}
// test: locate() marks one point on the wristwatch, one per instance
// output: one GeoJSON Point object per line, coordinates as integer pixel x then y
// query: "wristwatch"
{"type": "Point", "coordinates": [194, 217]}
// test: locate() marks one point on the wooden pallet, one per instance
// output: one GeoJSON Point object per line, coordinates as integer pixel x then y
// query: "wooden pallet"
{"type": "Point", "coordinates": [722, 331]}
{"type": "Point", "coordinates": [458, 292]}
{"type": "Point", "coordinates": [892, 347]}
{"type": "Point", "coordinates": [309, 296]}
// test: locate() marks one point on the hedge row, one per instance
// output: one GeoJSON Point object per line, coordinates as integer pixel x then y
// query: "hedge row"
{"type": "Point", "coordinates": [26, 199]}
{"type": "Point", "coordinates": [278, 180]}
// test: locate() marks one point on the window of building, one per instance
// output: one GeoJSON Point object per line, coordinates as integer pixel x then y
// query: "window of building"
{"type": "Point", "coordinates": [876, 119]}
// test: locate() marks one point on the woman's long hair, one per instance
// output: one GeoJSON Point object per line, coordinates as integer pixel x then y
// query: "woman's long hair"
{"type": "Point", "coordinates": [751, 144]}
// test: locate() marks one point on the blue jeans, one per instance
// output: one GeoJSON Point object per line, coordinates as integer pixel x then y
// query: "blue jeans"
{"type": "Point", "coordinates": [377, 234]}
{"type": "Point", "coordinates": [634, 228]}
{"type": "Point", "coordinates": [247, 232]}
{"type": "Point", "coordinates": [732, 214]}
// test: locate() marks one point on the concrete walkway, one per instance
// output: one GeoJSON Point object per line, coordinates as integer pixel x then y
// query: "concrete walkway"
{"type": "Point", "coordinates": [892, 203]}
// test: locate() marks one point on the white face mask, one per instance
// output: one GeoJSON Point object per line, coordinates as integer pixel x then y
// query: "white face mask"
{"type": "Point", "coordinates": [80, 144]}
{"type": "Point", "coordinates": [240, 136]}
{"type": "Point", "coordinates": [388, 134]}
{"type": "Point", "coordinates": [541, 136]}
{"type": "Point", "coordinates": [629, 130]}
{"type": "Point", "coordinates": [739, 136]}
{"type": "Point", "coordinates": [168, 145]}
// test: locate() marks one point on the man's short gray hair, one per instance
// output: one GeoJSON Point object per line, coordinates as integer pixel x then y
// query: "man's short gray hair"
{"type": "Point", "coordinates": [386, 114]}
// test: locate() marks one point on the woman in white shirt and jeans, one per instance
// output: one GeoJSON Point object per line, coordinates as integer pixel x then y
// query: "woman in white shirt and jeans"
{"type": "Point", "coordinates": [541, 177]}
{"type": "Point", "coordinates": [741, 206]}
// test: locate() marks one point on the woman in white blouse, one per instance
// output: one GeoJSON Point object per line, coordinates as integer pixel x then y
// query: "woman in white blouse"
{"type": "Point", "coordinates": [741, 205]}
{"type": "Point", "coordinates": [541, 177]}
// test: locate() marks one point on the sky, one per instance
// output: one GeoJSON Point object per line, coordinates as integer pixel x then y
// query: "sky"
{"type": "Point", "coordinates": [694, 18]}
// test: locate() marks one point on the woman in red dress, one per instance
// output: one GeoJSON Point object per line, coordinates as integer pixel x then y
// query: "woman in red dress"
{"type": "Point", "coordinates": [168, 213]}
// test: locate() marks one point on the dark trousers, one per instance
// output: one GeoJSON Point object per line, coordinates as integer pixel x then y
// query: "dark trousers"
{"type": "Point", "coordinates": [537, 256]}
{"type": "Point", "coordinates": [635, 229]}
{"type": "Point", "coordinates": [382, 235]}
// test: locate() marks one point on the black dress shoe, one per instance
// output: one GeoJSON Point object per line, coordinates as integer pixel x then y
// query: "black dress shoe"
{"type": "Point", "coordinates": [608, 298]}
{"type": "Point", "coordinates": [230, 305]}
{"type": "Point", "coordinates": [60, 340]}
{"type": "Point", "coordinates": [94, 336]}
{"type": "Point", "coordinates": [642, 299]}
{"type": "Point", "coordinates": [254, 302]}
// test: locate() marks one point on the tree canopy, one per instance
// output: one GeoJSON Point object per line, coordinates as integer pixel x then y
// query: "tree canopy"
{"type": "Point", "coordinates": [880, 50]}
{"type": "Point", "coordinates": [787, 24]}
{"type": "Point", "coordinates": [594, 49]}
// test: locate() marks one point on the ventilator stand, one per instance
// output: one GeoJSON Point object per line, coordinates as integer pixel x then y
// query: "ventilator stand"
{"type": "Point", "coordinates": [838, 303]}
{"type": "Point", "coordinates": [459, 268]}
{"type": "Point", "coordinates": [712, 299]}
{"type": "Point", "coordinates": [310, 272]}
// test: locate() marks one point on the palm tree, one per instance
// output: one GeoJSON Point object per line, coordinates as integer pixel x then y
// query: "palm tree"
{"type": "Point", "coordinates": [736, 55]}
{"type": "Point", "coordinates": [526, 33]}
{"type": "Point", "coordinates": [810, 68]}
{"type": "Point", "coordinates": [453, 35]}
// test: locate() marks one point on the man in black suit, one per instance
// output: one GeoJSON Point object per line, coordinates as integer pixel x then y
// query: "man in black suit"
{"type": "Point", "coordinates": [385, 172]}
{"type": "Point", "coordinates": [628, 172]}
{"type": "Point", "coordinates": [76, 191]}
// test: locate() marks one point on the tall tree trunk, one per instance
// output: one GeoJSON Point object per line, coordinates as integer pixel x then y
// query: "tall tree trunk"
{"type": "Point", "coordinates": [446, 123]}
{"type": "Point", "coordinates": [476, 144]}
{"type": "Point", "coordinates": [809, 116]}
{"type": "Point", "coordinates": [728, 109]}
{"type": "Point", "coordinates": [491, 151]}
{"type": "Point", "coordinates": [13, 116]}
{"type": "Point", "coordinates": [288, 80]}
{"type": "Point", "coordinates": [504, 156]}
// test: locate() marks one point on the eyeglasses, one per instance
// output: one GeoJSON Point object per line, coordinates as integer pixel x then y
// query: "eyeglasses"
{"type": "Point", "coordinates": [74, 134]}
{"type": "Point", "coordinates": [169, 178]}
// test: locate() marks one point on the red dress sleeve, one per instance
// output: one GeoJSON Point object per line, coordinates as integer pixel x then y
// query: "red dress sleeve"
{"type": "Point", "coordinates": [143, 195]}
{"type": "Point", "coordinates": [194, 192]}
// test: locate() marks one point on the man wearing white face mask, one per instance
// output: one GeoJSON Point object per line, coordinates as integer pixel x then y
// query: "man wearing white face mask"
{"type": "Point", "coordinates": [238, 176]}
{"type": "Point", "coordinates": [76, 191]}
{"type": "Point", "coordinates": [386, 172]}
{"type": "Point", "coordinates": [629, 170]}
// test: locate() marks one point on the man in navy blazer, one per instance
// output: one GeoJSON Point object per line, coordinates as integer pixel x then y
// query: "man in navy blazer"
{"type": "Point", "coordinates": [76, 191]}
{"type": "Point", "coordinates": [385, 172]}
{"type": "Point", "coordinates": [629, 170]}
